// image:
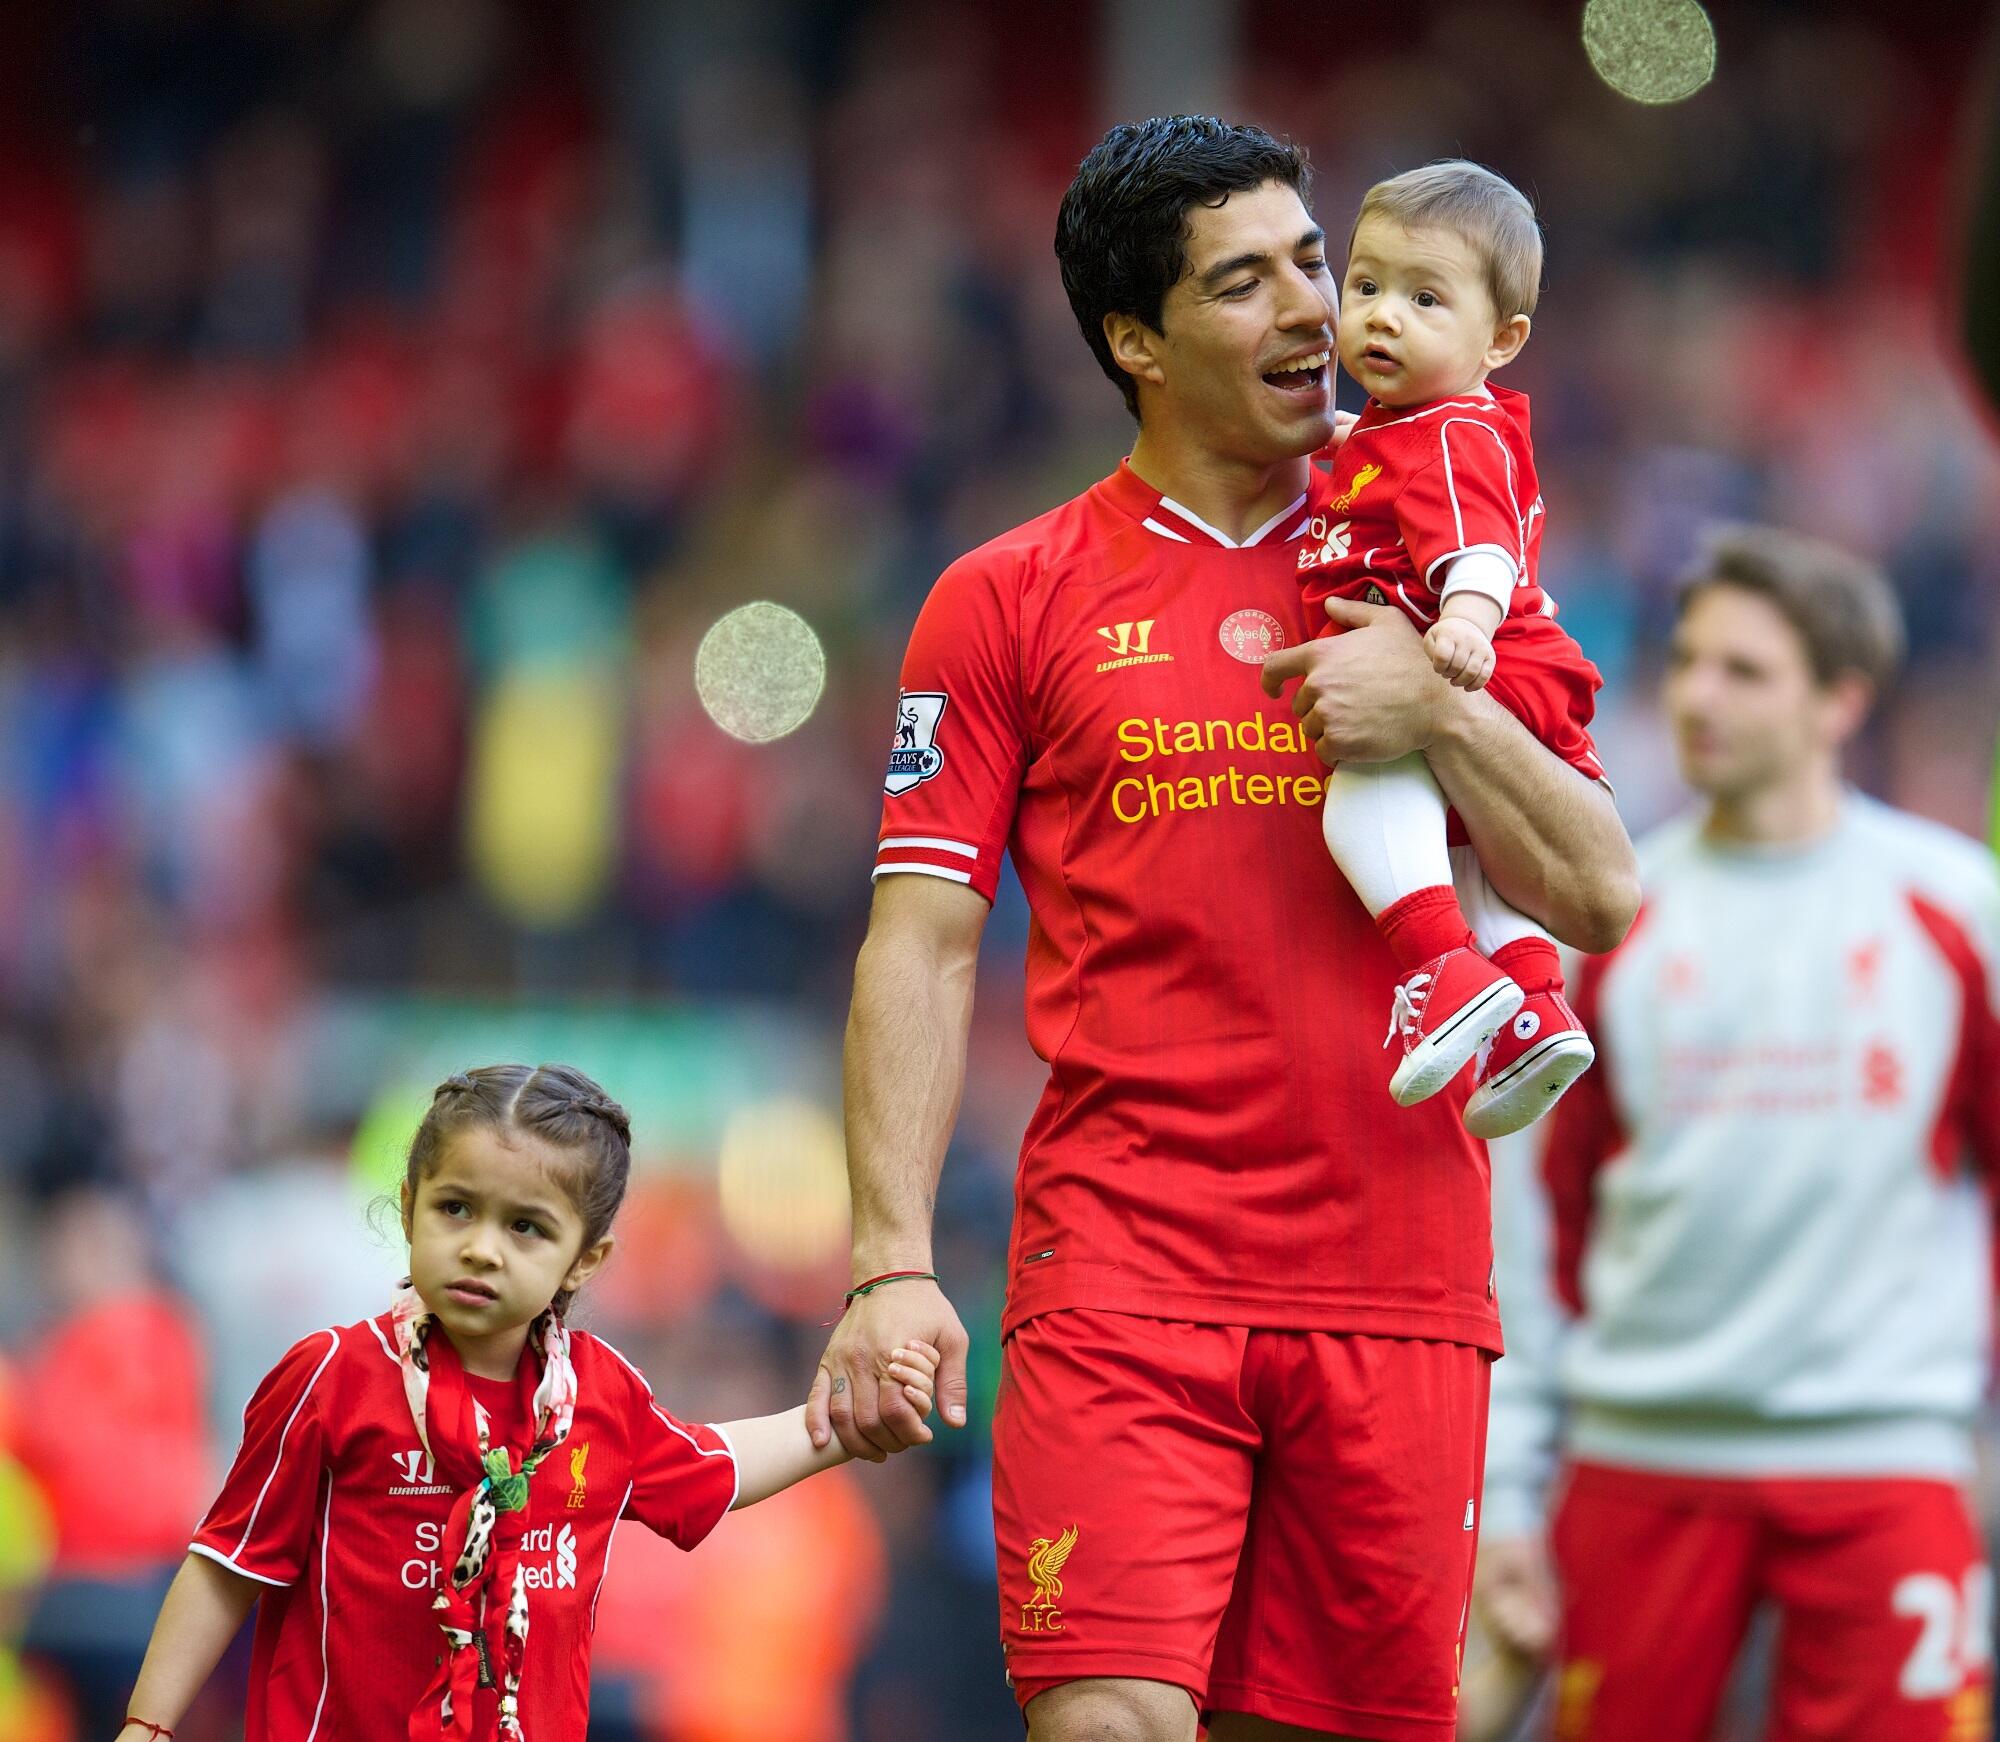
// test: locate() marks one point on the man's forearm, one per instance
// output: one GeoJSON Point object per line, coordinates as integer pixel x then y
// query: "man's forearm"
{"type": "Point", "coordinates": [904, 1070]}
{"type": "Point", "coordinates": [1548, 838]}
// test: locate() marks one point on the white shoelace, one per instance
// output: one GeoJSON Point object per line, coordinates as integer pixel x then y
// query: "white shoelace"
{"type": "Point", "coordinates": [1406, 1014]}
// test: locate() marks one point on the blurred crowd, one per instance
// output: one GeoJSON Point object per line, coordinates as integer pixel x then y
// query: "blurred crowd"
{"type": "Point", "coordinates": [391, 393]}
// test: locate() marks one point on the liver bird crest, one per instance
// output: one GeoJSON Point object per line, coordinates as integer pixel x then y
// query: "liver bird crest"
{"type": "Point", "coordinates": [1045, 1564]}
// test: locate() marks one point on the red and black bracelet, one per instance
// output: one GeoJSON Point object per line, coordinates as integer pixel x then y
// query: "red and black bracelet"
{"type": "Point", "coordinates": [872, 1284]}
{"type": "Point", "coordinates": [875, 1282]}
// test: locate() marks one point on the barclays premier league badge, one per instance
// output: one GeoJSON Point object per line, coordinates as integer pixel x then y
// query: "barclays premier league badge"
{"type": "Point", "coordinates": [1251, 636]}
{"type": "Point", "coordinates": [914, 757]}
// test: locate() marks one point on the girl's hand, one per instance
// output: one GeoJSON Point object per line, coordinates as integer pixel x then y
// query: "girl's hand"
{"type": "Point", "coordinates": [914, 1366]}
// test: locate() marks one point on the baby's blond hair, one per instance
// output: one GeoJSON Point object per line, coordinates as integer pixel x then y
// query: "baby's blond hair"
{"type": "Point", "coordinates": [1487, 210]}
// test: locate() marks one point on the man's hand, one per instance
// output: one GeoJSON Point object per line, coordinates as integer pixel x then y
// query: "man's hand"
{"type": "Point", "coordinates": [1368, 694]}
{"type": "Point", "coordinates": [857, 1395]}
{"type": "Point", "coordinates": [1514, 1595]}
{"type": "Point", "coordinates": [1460, 653]}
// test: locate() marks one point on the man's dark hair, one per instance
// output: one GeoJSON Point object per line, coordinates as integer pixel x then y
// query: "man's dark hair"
{"type": "Point", "coordinates": [1842, 605]}
{"type": "Point", "coordinates": [1122, 233]}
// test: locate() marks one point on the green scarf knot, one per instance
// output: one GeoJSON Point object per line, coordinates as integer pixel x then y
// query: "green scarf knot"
{"type": "Point", "coordinates": [506, 1487]}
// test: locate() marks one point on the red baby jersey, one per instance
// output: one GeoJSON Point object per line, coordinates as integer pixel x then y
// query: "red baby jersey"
{"type": "Point", "coordinates": [1411, 490]}
{"type": "Point", "coordinates": [1216, 1141]}
{"type": "Point", "coordinates": [332, 1503]}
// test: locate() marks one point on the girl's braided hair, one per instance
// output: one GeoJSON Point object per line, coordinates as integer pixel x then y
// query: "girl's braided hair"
{"type": "Point", "coordinates": [557, 1104]}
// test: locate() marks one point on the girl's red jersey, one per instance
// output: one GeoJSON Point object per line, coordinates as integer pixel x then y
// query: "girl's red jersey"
{"type": "Point", "coordinates": [1216, 1141]}
{"type": "Point", "coordinates": [332, 1503]}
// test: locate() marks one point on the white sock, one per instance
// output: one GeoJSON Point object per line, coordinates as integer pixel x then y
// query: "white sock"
{"type": "Point", "coordinates": [1495, 923]}
{"type": "Point", "coordinates": [1384, 826]}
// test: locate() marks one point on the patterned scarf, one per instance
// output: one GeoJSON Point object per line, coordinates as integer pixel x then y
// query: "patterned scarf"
{"type": "Point", "coordinates": [482, 1537]}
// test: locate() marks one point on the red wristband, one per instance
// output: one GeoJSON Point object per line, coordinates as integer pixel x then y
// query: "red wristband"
{"type": "Point", "coordinates": [158, 1730]}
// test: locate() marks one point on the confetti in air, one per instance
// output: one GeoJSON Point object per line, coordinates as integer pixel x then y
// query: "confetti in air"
{"type": "Point", "coordinates": [1653, 51]}
{"type": "Point", "coordinates": [759, 672]}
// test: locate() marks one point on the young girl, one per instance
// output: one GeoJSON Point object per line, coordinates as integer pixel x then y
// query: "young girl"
{"type": "Point", "coordinates": [424, 1501]}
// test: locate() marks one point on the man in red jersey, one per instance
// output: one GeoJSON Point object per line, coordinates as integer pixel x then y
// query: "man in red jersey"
{"type": "Point", "coordinates": [1249, 1316]}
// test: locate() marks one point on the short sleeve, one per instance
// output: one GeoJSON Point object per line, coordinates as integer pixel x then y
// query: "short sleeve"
{"type": "Point", "coordinates": [1467, 498]}
{"type": "Point", "coordinates": [1983, 1024]}
{"type": "Point", "coordinates": [683, 1476]}
{"type": "Point", "coordinates": [1966, 932]}
{"type": "Point", "coordinates": [960, 737]}
{"type": "Point", "coordinates": [261, 1524]}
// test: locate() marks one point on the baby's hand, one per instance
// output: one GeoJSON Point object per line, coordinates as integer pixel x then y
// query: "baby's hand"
{"type": "Point", "coordinates": [1460, 652]}
{"type": "Point", "coordinates": [914, 1367]}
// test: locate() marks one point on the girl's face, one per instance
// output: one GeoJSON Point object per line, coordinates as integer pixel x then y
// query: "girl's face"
{"type": "Point", "coordinates": [493, 1238]}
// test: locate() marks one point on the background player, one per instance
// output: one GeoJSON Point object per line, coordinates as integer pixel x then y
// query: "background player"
{"type": "Point", "coordinates": [1221, 1261]}
{"type": "Point", "coordinates": [1769, 1218]}
{"type": "Point", "coordinates": [1435, 506]}
{"type": "Point", "coordinates": [366, 1507]}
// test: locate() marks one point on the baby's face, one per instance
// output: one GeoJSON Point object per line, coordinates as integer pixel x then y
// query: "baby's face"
{"type": "Point", "coordinates": [1417, 322]}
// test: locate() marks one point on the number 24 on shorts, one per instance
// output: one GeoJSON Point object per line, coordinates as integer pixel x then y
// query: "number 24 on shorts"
{"type": "Point", "coordinates": [1957, 1621]}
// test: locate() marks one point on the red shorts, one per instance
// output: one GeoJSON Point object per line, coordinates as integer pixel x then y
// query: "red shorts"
{"type": "Point", "coordinates": [1881, 1585]}
{"type": "Point", "coordinates": [1280, 1522]}
{"type": "Point", "coordinates": [1547, 682]}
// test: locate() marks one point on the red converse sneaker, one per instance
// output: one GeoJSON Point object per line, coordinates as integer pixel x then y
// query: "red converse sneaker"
{"type": "Point", "coordinates": [1531, 1061]}
{"type": "Point", "coordinates": [1443, 1011]}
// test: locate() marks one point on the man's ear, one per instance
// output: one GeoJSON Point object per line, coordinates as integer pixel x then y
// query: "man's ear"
{"type": "Point", "coordinates": [587, 1262]}
{"type": "Point", "coordinates": [1846, 702]}
{"type": "Point", "coordinates": [1508, 338]}
{"type": "Point", "coordinates": [1135, 348]}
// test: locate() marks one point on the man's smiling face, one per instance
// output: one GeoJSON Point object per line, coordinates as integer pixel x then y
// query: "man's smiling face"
{"type": "Point", "coordinates": [1255, 303]}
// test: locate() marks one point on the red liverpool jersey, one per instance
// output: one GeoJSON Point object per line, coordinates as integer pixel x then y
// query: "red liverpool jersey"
{"type": "Point", "coordinates": [1216, 1140]}
{"type": "Point", "coordinates": [1413, 488]}
{"type": "Point", "coordinates": [332, 1504]}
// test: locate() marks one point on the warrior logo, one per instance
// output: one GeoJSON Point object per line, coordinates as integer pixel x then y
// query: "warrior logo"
{"type": "Point", "coordinates": [1131, 644]}
{"type": "Point", "coordinates": [1129, 638]}
{"type": "Point", "coordinates": [1045, 1564]}
{"type": "Point", "coordinates": [566, 1559]}
{"type": "Point", "coordinates": [415, 1473]}
{"type": "Point", "coordinates": [915, 757]}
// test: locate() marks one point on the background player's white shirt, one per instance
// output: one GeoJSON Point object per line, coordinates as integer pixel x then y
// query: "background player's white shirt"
{"type": "Point", "coordinates": [1786, 1266]}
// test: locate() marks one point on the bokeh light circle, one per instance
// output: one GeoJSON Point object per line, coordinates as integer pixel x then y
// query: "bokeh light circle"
{"type": "Point", "coordinates": [1653, 51]}
{"type": "Point", "coordinates": [781, 1182]}
{"type": "Point", "coordinates": [759, 672]}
